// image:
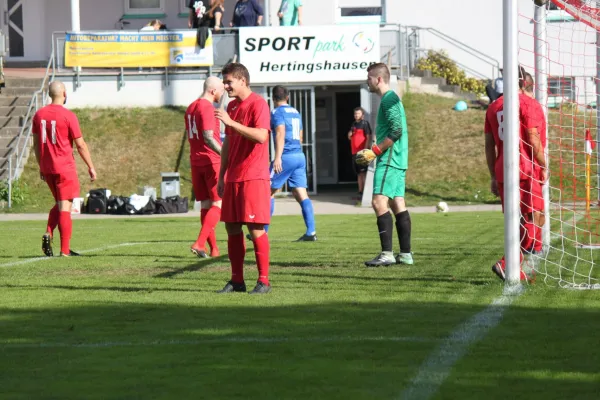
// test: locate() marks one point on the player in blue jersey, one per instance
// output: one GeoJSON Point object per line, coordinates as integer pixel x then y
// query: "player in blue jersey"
{"type": "Point", "coordinates": [289, 164]}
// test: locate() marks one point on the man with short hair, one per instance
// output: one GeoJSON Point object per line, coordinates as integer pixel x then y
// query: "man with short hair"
{"type": "Point", "coordinates": [289, 164]}
{"type": "Point", "coordinates": [204, 136]}
{"type": "Point", "coordinates": [391, 150]}
{"type": "Point", "coordinates": [531, 152]}
{"type": "Point", "coordinates": [54, 130]}
{"type": "Point", "coordinates": [360, 139]}
{"type": "Point", "coordinates": [244, 177]}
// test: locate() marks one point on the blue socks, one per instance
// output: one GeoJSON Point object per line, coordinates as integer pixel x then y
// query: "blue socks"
{"type": "Point", "coordinates": [309, 216]}
{"type": "Point", "coordinates": [272, 211]}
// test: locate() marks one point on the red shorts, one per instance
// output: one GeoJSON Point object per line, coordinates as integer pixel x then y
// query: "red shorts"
{"type": "Point", "coordinates": [64, 186]}
{"type": "Point", "coordinates": [530, 194]}
{"type": "Point", "coordinates": [204, 181]}
{"type": "Point", "coordinates": [247, 202]}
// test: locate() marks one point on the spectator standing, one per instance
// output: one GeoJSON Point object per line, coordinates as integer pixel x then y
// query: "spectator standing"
{"type": "Point", "coordinates": [247, 13]}
{"type": "Point", "coordinates": [290, 13]}
{"type": "Point", "coordinates": [210, 16]}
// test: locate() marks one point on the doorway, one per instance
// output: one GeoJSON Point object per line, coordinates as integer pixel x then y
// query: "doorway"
{"type": "Point", "coordinates": [346, 102]}
{"type": "Point", "coordinates": [13, 27]}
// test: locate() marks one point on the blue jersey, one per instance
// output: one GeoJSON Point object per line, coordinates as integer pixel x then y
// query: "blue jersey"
{"type": "Point", "coordinates": [290, 117]}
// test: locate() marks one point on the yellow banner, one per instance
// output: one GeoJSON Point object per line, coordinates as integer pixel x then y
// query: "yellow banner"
{"type": "Point", "coordinates": [136, 49]}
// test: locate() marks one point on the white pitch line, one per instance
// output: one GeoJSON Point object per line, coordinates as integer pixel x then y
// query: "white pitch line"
{"type": "Point", "coordinates": [114, 246]}
{"type": "Point", "coordinates": [335, 339]}
{"type": "Point", "coordinates": [434, 371]}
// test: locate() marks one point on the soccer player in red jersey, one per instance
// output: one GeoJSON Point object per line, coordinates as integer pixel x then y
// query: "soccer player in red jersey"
{"type": "Point", "coordinates": [540, 174]}
{"type": "Point", "coordinates": [530, 149]}
{"type": "Point", "coordinates": [244, 178]}
{"type": "Point", "coordinates": [204, 135]}
{"type": "Point", "coordinates": [54, 130]}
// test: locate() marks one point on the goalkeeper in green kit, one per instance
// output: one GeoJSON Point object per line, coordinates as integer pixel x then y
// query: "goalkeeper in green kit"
{"type": "Point", "coordinates": [391, 151]}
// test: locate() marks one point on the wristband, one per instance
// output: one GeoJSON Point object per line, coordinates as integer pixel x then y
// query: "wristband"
{"type": "Point", "coordinates": [376, 150]}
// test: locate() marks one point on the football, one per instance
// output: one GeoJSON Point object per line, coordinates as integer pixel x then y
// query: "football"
{"type": "Point", "coordinates": [442, 207]}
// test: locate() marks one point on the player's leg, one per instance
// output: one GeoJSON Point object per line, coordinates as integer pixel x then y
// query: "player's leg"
{"type": "Point", "coordinates": [298, 183]}
{"type": "Point", "coordinates": [539, 219]}
{"type": "Point", "coordinates": [361, 182]}
{"type": "Point", "coordinates": [53, 217]}
{"type": "Point", "coordinates": [236, 245]}
{"type": "Point", "coordinates": [385, 222]}
{"type": "Point", "coordinates": [204, 181]}
{"type": "Point", "coordinates": [397, 188]}
{"type": "Point", "coordinates": [255, 195]}
{"type": "Point", "coordinates": [67, 189]}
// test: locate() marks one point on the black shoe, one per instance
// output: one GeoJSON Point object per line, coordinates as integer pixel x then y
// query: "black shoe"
{"type": "Point", "coordinates": [47, 245]}
{"type": "Point", "coordinates": [261, 288]}
{"type": "Point", "coordinates": [199, 253]}
{"type": "Point", "coordinates": [71, 254]}
{"type": "Point", "coordinates": [383, 259]}
{"type": "Point", "coordinates": [231, 287]}
{"type": "Point", "coordinates": [248, 237]}
{"type": "Point", "coordinates": [307, 238]}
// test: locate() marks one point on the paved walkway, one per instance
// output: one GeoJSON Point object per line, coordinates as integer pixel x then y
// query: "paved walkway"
{"type": "Point", "coordinates": [286, 206]}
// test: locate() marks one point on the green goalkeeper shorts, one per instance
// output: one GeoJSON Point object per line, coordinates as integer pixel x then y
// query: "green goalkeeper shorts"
{"type": "Point", "coordinates": [389, 181]}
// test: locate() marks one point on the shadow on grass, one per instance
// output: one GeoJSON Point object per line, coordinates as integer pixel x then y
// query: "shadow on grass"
{"type": "Point", "coordinates": [334, 350]}
{"type": "Point", "coordinates": [197, 266]}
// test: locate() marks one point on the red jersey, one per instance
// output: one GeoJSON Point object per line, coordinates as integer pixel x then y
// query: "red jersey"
{"type": "Point", "coordinates": [538, 111]}
{"type": "Point", "coordinates": [56, 128]}
{"type": "Point", "coordinates": [494, 125]}
{"type": "Point", "coordinates": [360, 130]}
{"type": "Point", "coordinates": [248, 160]}
{"type": "Point", "coordinates": [200, 117]}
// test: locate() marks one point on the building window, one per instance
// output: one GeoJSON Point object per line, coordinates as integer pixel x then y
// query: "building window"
{"type": "Point", "coordinates": [144, 6]}
{"type": "Point", "coordinates": [561, 88]}
{"type": "Point", "coordinates": [359, 15]}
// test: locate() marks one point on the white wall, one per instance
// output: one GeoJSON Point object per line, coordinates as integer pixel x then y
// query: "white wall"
{"type": "Point", "coordinates": [135, 93]}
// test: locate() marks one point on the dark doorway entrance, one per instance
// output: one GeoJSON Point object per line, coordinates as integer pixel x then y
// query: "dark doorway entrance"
{"type": "Point", "coordinates": [346, 102]}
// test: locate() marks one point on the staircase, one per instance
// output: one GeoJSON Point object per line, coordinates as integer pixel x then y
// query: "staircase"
{"type": "Point", "coordinates": [423, 82]}
{"type": "Point", "coordinates": [14, 102]}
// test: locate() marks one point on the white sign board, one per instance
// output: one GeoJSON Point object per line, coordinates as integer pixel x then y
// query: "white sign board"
{"type": "Point", "coordinates": [309, 53]}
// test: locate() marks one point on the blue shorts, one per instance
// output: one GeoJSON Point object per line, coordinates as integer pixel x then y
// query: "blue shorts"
{"type": "Point", "coordinates": [293, 172]}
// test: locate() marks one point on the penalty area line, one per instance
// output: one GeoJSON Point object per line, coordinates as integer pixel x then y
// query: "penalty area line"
{"type": "Point", "coordinates": [241, 339]}
{"type": "Point", "coordinates": [98, 249]}
{"type": "Point", "coordinates": [435, 369]}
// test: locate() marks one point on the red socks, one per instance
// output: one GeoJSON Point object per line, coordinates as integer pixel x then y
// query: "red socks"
{"type": "Point", "coordinates": [537, 244]}
{"type": "Point", "coordinates": [209, 219]}
{"type": "Point", "coordinates": [52, 220]}
{"type": "Point", "coordinates": [261, 251]}
{"type": "Point", "coordinates": [65, 227]}
{"type": "Point", "coordinates": [236, 246]}
{"type": "Point", "coordinates": [526, 230]}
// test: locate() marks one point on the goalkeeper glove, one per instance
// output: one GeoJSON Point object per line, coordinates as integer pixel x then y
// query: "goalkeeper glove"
{"type": "Point", "coordinates": [366, 156]}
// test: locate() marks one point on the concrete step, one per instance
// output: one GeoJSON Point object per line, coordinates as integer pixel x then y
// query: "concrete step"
{"type": "Point", "coordinates": [9, 132]}
{"type": "Point", "coordinates": [19, 91]}
{"type": "Point", "coordinates": [11, 122]}
{"type": "Point", "coordinates": [451, 88]}
{"type": "Point", "coordinates": [13, 111]}
{"type": "Point", "coordinates": [5, 142]}
{"type": "Point", "coordinates": [14, 82]}
{"type": "Point", "coordinates": [20, 101]}
{"type": "Point", "coordinates": [433, 80]}
{"type": "Point", "coordinates": [414, 81]}
{"type": "Point", "coordinates": [4, 150]}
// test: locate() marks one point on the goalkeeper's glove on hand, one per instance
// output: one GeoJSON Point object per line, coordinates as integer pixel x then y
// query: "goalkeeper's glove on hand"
{"type": "Point", "coordinates": [366, 156]}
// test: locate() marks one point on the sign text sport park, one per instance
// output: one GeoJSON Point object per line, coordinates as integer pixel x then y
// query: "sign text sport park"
{"type": "Point", "coordinates": [309, 54]}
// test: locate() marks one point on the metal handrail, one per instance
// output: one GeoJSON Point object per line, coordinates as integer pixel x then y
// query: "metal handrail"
{"type": "Point", "coordinates": [27, 125]}
{"type": "Point", "coordinates": [486, 58]}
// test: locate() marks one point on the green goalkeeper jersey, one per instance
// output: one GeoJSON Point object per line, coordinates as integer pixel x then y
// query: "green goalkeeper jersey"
{"type": "Point", "coordinates": [391, 123]}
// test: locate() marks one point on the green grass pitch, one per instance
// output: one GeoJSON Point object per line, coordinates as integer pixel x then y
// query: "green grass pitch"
{"type": "Point", "coordinates": [136, 317]}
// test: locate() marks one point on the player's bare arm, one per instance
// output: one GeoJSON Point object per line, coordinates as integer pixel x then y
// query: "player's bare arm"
{"type": "Point", "coordinates": [258, 135]}
{"type": "Point", "coordinates": [490, 157]}
{"type": "Point", "coordinates": [538, 151]}
{"type": "Point", "coordinates": [223, 170]}
{"type": "Point", "coordinates": [279, 143]}
{"type": "Point", "coordinates": [209, 139]}
{"type": "Point", "coordinates": [84, 152]}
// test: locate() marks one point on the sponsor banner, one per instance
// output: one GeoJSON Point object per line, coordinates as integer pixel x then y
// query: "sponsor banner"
{"type": "Point", "coordinates": [309, 53]}
{"type": "Point", "coordinates": [136, 49]}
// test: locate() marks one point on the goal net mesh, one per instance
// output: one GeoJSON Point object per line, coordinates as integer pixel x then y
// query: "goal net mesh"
{"type": "Point", "coordinates": [566, 48]}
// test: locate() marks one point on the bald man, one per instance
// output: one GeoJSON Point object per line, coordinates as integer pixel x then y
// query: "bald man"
{"type": "Point", "coordinates": [204, 134]}
{"type": "Point", "coordinates": [54, 130]}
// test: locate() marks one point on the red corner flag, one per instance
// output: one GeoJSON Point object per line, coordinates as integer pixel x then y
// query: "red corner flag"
{"type": "Point", "coordinates": [590, 144]}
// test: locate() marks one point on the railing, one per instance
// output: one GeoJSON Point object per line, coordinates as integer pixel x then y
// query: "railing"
{"type": "Point", "coordinates": [415, 51]}
{"type": "Point", "coordinates": [23, 140]}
